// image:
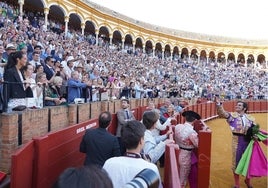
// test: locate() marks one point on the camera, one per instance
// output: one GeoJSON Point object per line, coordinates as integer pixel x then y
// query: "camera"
{"type": "Point", "coordinates": [147, 178]}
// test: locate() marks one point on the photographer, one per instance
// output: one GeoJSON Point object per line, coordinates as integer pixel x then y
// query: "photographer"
{"type": "Point", "coordinates": [123, 169]}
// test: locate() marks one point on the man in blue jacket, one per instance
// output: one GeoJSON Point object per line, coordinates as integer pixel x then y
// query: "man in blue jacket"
{"type": "Point", "coordinates": [75, 87]}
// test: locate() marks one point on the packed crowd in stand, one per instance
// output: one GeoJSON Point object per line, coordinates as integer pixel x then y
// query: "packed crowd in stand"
{"type": "Point", "coordinates": [70, 68]}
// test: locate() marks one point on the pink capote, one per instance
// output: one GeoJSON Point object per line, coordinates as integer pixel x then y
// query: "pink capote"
{"type": "Point", "coordinates": [192, 178]}
{"type": "Point", "coordinates": [253, 162]}
{"type": "Point", "coordinates": [258, 165]}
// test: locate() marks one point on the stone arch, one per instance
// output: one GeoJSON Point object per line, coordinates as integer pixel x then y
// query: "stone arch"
{"type": "Point", "coordinates": [57, 15]}
{"type": "Point", "coordinates": [149, 47]}
{"type": "Point", "coordinates": [211, 57]}
{"type": "Point", "coordinates": [231, 58]}
{"type": "Point", "coordinates": [74, 21]}
{"type": "Point", "coordinates": [139, 43]}
{"type": "Point", "coordinates": [77, 13]}
{"type": "Point", "coordinates": [184, 53]}
{"type": "Point", "coordinates": [104, 35]}
{"type": "Point", "coordinates": [250, 60]}
{"type": "Point", "coordinates": [167, 51]}
{"type": "Point", "coordinates": [221, 58]}
{"type": "Point", "coordinates": [203, 57]}
{"type": "Point", "coordinates": [62, 7]}
{"type": "Point", "coordinates": [241, 59]}
{"type": "Point", "coordinates": [90, 28]}
{"type": "Point", "coordinates": [107, 27]}
{"type": "Point", "coordinates": [38, 5]}
{"type": "Point", "coordinates": [158, 50]}
{"type": "Point", "coordinates": [117, 38]}
{"type": "Point", "coordinates": [92, 20]}
{"type": "Point", "coordinates": [194, 55]}
{"type": "Point", "coordinates": [175, 53]}
{"type": "Point", "coordinates": [261, 62]}
{"type": "Point", "coordinates": [128, 40]}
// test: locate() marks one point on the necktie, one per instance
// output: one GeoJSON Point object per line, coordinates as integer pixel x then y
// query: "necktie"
{"type": "Point", "coordinates": [127, 115]}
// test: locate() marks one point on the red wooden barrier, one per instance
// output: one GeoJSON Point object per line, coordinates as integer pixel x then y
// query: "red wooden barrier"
{"type": "Point", "coordinates": [171, 171]}
{"type": "Point", "coordinates": [213, 110]}
{"type": "Point", "coordinates": [135, 112]}
{"type": "Point", "coordinates": [250, 106]}
{"type": "Point", "coordinates": [257, 106]}
{"type": "Point", "coordinates": [113, 126]}
{"type": "Point", "coordinates": [22, 166]}
{"type": "Point", "coordinates": [264, 106]}
{"type": "Point", "coordinates": [204, 158]}
{"type": "Point", "coordinates": [202, 112]}
{"type": "Point", "coordinates": [58, 151]}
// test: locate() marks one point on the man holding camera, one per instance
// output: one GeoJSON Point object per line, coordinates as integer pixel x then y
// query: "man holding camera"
{"type": "Point", "coordinates": [123, 169]}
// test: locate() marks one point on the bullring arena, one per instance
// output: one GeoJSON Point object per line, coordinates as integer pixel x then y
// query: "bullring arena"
{"type": "Point", "coordinates": [37, 144]}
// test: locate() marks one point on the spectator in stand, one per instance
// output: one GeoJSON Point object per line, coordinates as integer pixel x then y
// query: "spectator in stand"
{"type": "Point", "coordinates": [36, 60]}
{"type": "Point", "coordinates": [84, 177]}
{"type": "Point", "coordinates": [16, 88]}
{"type": "Point", "coordinates": [49, 68]}
{"type": "Point", "coordinates": [75, 87]}
{"type": "Point", "coordinates": [9, 49]}
{"type": "Point", "coordinates": [3, 62]}
{"type": "Point", "coordinates": [123, 169]}
{"type": "Point", "coordinates": [69, 68]}
{"type": "Point", "coordinates": [98, 144]}
{"type": "Point", "coordinates": [123, 116]}
{"type": "Point", "coordinates": [52, 92]}
{"type": "Point", "coordinates": [27, 71]}
{"type": "Point", "coordinates": [154, 146]}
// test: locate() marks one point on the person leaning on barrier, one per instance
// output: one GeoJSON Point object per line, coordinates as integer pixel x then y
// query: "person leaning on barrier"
{"type": "Point", "coordinates": [123, 169]}
{"type": "Point", "coordinates": [84, 177]}
{"type": "Point", "coordinates": [98, 144]}
{"type": "Point", "coordinates": [187, 139]}
{"type": "Point", "coordinates": [154, 146]}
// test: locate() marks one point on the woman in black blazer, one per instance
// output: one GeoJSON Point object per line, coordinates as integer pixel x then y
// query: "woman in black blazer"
{"type": "Point", "coordinates": [16, 88]}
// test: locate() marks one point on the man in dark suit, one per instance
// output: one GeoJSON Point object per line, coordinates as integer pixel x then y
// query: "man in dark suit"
{"type": "Point", "coordinates": [98, 144]}
{"type": "Point", "coordinates": [49, 67]}
{"type": "Point", "coordinates": [123, 116]}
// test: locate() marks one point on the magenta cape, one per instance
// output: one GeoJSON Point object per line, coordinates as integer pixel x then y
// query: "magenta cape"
{"type": "Point", "coordinates": [253, 162]}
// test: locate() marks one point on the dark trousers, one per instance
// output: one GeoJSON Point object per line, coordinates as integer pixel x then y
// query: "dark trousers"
{"type": "Point", "coordinates": [122, 146]}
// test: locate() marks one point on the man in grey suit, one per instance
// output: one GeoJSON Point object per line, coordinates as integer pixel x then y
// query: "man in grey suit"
{"type": "Point", "coordinates": [98, 144]}
{"type": "Point", "coordinates": [123, 116]}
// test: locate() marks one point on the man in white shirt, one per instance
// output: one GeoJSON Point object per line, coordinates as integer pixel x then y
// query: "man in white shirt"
{"type": "Point", "coordinates": [123, 169]}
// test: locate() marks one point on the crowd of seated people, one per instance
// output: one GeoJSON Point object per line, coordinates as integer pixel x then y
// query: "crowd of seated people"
{"type": "Point", "coordinates": [109, 73]}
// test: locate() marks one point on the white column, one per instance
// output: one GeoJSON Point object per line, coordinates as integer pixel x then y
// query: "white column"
{"type": "Point", "coordinates": [153, 51]}
{"type": "Point", "coordinates": [111, 39]}
{"type": "Point", "coordinates": [134, 47]}
{"type": "Point", "coordinates": [171, 54]}
{"type": "Point", "coordinates": [97, 36]}
{"type": "Point", "coordinates": [163, 54]}
{"type": "Point", "coordinates": [21, 3]}
{"type": "Point", "coordinates": [123, 43]}
{"type": "Point", "coordinates": [66, 20]}
{"type": "Point", "coordinates": [83, 26]}
{"type": "Point", "coordinates": [46, 11]}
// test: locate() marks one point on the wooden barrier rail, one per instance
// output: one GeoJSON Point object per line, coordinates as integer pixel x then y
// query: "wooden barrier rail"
{"type": "Point", "coordinates": [47, 156]}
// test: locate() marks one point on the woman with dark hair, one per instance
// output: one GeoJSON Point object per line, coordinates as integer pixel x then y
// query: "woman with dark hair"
{"type": "Point", "coordinates": [16, 87]}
